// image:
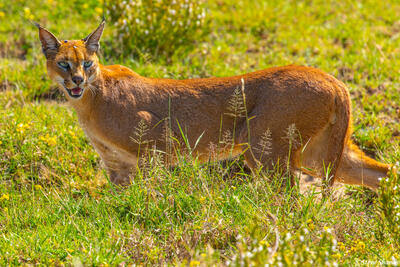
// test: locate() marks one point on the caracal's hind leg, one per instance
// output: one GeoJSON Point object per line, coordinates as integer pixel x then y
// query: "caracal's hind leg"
{"type": "Point", "coordinates": [322, 151]}
{"type": "Point", "coordinates": [118, 164]}
{"type": "Point", "coordinates": [320, 155]}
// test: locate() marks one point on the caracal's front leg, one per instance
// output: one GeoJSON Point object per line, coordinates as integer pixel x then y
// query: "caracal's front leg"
{"type": "Point", "coordinates": [120, 165]}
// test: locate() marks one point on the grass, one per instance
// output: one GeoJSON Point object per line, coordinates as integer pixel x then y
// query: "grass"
{"type": "Point", "coordinates": [57, 206]}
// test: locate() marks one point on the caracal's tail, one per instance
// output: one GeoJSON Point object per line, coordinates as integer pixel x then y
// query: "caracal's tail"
{"type": "Point", "coordinates": [357, 168]}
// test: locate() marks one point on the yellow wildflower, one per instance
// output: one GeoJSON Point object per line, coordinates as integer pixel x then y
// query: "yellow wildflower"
{"type": "Point", "coordinates": [28, 14]}
{"type": "Point", "coordinates": [5, 210]}
{"type": "Point", "coordinates": [360, 245]}
{"type": "Point", "coordinates": [52, 141]}
{"type": "Point", "coordinates": [197, 227]}
{"type": "Point", "coordinates": [38, 187]}
{"type": "Point", "coordinates": [22, 127]}
{"type": "Point", "coordinates": [2, 14]}
{"type": "Point", "coordinates": [85, 5]}
{"type": "Point", "coordinates": [202, 199]}
{"type": "Point", "coordinates": [311, 225]}
{"type": "Point", "coordinates": [194, 263]}
{"type": "Point", "coordinates": [72, 134]}
{"type": "Point", "coordinates": [5, 197]}
{"type": "Point", "coordinates": [99, 11]}
{"type": "Point", "coordinates": [341, 246]}
{"type": "Point", "coordinates": [357, 246]}
{"type": "Point", "coordinates": [49, 140]}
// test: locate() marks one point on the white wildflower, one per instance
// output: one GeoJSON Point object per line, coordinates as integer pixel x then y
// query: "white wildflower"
{"type": "Point", "coordinates": [394, 261]}
{"type": "Point", "coordinates": [288, 236]}
{"type": "Point", "coordinates": [248, 254]}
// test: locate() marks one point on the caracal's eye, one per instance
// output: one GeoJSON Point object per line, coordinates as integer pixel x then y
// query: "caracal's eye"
{"type": "Point", "coordinates": [63, 64]}
{"type": "Point", "coordinates": [87, 64]}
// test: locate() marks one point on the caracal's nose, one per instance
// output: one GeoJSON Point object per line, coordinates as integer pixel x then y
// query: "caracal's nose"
{"type": "Point", "coordinates": [77, 80]}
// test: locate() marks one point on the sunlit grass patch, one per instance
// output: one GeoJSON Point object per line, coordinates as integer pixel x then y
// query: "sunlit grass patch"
{"type": "Point", "coordinates": [38, 145]}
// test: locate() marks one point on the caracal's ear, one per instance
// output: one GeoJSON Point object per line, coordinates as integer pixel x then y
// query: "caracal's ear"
{"type": "Point", "coordinates": [92, 40]}
{"type": "Point", "coordinates": [50, 43]}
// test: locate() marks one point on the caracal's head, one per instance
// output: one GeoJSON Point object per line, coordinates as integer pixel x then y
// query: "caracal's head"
{"type": "Point", "coordinates": [72, 63]}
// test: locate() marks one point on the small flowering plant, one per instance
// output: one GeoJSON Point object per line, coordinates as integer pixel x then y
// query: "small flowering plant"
{"type": "Point", "coordinates": [157, 27]}
{"type": "Point", "coordinates": [389, 203]}
{"type": "Point", "coordinates": [297, 249]}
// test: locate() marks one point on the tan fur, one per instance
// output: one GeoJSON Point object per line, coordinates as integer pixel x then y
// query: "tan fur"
{"type": "Point", "coordinates": [115, 99]}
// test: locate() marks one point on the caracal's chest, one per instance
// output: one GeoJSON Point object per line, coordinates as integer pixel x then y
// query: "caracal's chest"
{"type": "Point", "coordinates": [110, 152]}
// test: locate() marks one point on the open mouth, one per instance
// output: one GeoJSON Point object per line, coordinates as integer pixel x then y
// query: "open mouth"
{"type": "Point", "coordinates": [75, 92]}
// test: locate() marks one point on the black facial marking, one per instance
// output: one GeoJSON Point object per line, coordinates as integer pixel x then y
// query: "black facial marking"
{"type": "Point", "coordinates": [65, 41]}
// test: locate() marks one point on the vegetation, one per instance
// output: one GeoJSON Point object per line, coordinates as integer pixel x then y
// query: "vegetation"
{"type": "Point", "coordinates": [57, 206]}
{"type": "Point", "coordinates": [155, 28]}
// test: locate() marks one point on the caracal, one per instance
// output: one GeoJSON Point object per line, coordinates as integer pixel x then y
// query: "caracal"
{"type": "Point", "coordinates": [111, 101]}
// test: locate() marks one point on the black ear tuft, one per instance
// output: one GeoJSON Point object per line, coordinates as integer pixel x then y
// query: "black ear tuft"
{"type": "Point", "coordinates": [92, 40]}
{"type": "Point", "coordinates": [36, 24]}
